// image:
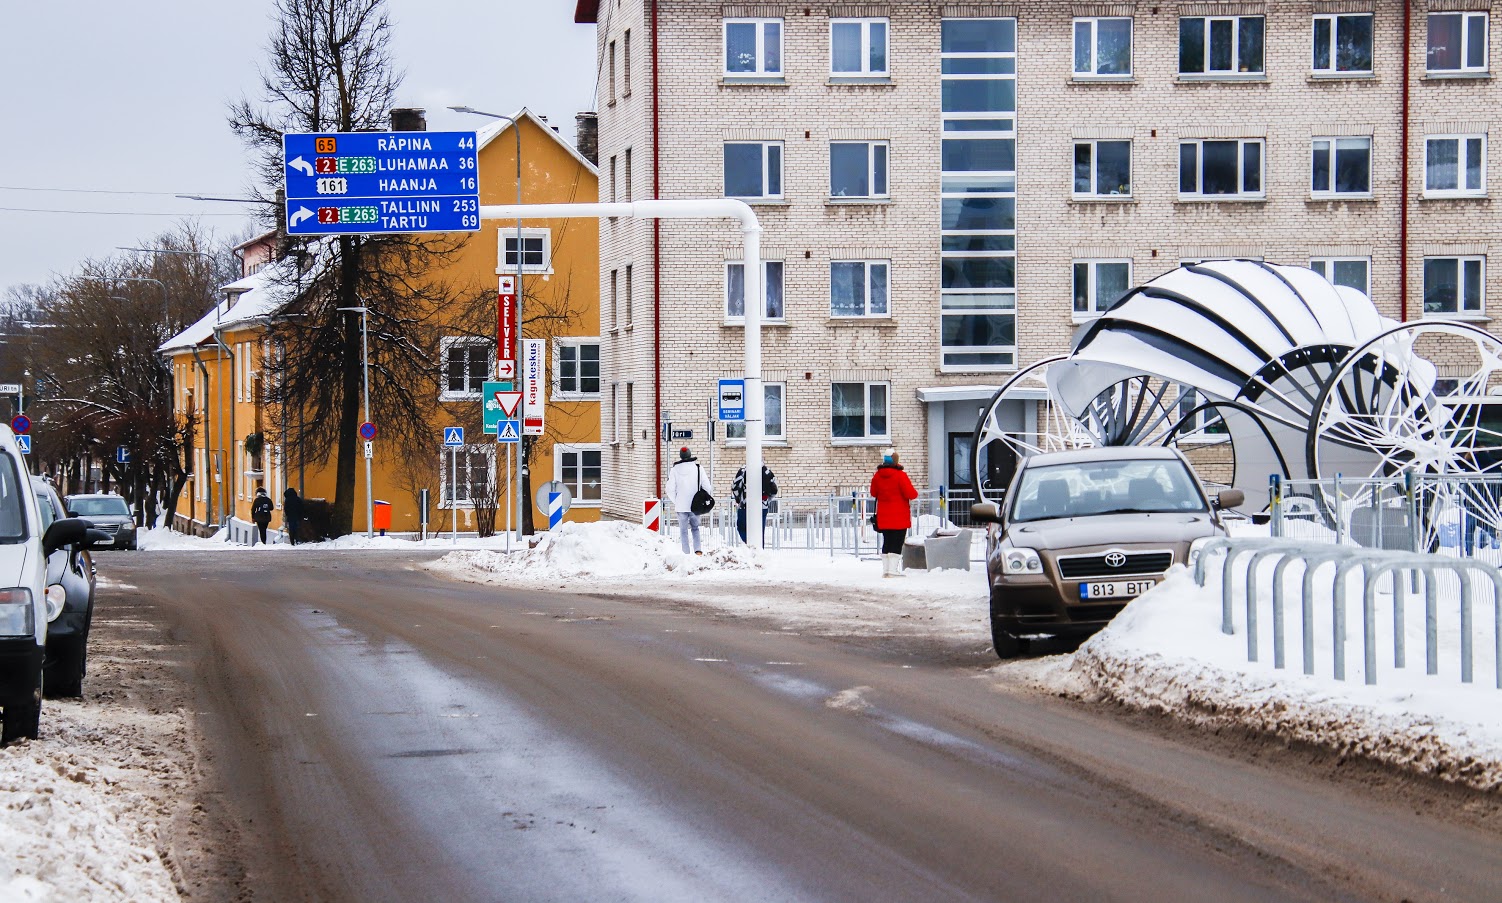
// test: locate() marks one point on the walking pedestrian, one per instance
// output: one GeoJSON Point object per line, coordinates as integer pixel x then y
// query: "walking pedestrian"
{"type": "Point", "coordinates": [292, 513]}
{"type": "Point", "coordinates": [738, 493]}
{"type": "Point", "coordinates": [894, 493]}
{"type": "Point", "coordinates": [685, 483]}
{"type": "Point", "coordinates": [260, 512]}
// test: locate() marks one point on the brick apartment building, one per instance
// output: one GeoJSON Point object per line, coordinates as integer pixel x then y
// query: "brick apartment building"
{"type": "Point", "coordinates": [949, 191]}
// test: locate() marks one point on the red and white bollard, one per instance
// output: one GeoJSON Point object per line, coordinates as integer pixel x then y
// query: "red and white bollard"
{"type": "Point", "coordinates": [651, 516]}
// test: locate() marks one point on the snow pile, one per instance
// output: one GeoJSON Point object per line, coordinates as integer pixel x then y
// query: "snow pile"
{"type": "Point", "coordinates": [160, 539]}
{"type": "Point", "coordinates": [610, 549]}
{"type": "Point", "coordinates": [1165, 652]}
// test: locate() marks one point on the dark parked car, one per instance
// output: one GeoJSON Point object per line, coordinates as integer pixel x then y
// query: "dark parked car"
{"type": "Point", "coordinates": [1083, 532]}
{"type": "Point", "coordinates": [106, 512]}
{"type": "Point", "coordinates": [72, 568]}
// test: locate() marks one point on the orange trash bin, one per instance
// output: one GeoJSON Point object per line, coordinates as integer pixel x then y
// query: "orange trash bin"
{"type": "Point", "coordinates": [381, 514]}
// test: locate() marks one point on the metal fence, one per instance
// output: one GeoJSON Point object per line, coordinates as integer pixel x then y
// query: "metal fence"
{"type": "Point", "coordinates": [1450, 514]}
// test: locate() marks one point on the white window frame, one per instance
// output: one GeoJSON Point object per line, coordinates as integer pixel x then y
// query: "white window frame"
{"type": "Point", "coordinates": [1469, 18]}
{"type": "Point", "coordinates": [1095, 192]}
{"type": "Point", "coordinates": [867, 437]}
{"type": "Point", "coordinates": [579, 448]}
{"type": "Point", "coordinates": [1334, 68]}
{"type": "Point", "coordinates": [615, 413]}
{"type": "Point", "coordinates": [866, 70]}
{"type": "Point", "coordinates": [446, 457]}
{"type": "Point", "coordinates": [866, 269]}
{"type": "Point", "coordinates": [1325, 266]}
{"type": "Point", "coordinates": [877, 164]}
{"type": "Point", "coordinates": [766, 171]}
{"type": "Point", "coordinates": [1199, 176]}
{"type": "Point", "coordinates": [444, 346]}
{"type": "Point", "coordinates": [615, 300]}
{"type": "Point", "coordinates": [1094, 23]}
{"type": "Point", "coordinates": [1235, 70]}
{"type": "Point", "coordinates": [766, 266]}
{"type": "Point", "coordinates": [1462, 141]}
{"type": "Point", "coordinates": [629, 279]}
{"type": "Point", "coordinates": [507, 264]}
{"type": "Point", "coordinates": [577, 342]}
{"type": "Point", "coordinates": [761, 70]}
{"type": "Point", "coordinates": [1460, 286]}
{"type": "Point", "coordinates": [1092, 284]}
{"type": "Point", "coordinates": [777, 438]}
{"type": "Point", "coordinates": [1333, 154]}
{"type": "Point", "coordinates": [1195, 434]}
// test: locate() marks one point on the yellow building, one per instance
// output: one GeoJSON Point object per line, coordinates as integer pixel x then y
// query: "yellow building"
{"type": "Point", "coordinates": [218, 364]}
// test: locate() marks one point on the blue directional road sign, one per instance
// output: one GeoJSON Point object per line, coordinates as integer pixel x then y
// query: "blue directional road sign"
{"type": "Point", "coordinates": [122, 455]}
{"type": "Point", "coordinates": [24, 441]}
{"type": "Point", "coordinates": [453, 437]}
{"type": "Point", "coordinates": [508, 431]}
{"type": "Point", "coordinates": [372, 183]}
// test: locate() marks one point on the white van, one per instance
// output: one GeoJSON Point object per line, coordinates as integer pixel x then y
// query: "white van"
{"type": "Point", "coordinates": [25, 603]}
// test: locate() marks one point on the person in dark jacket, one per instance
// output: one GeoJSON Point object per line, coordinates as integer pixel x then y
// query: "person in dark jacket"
{"type": "Point", "coordinates": [738, 492]}
{"type": "Point", "coordinates": [292, 513]}
{"type": "Point", "coordinates": [260, 512]}
{"type": "Point", "coordinates": [894, 493]}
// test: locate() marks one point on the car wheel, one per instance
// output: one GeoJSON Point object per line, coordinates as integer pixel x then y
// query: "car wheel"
{"type": "Point", "coordinates": [64, 677]}
{"type": "Point", "coordinates": [1007, 645]}
{"type": "Point", "coordinates": [22, 720]}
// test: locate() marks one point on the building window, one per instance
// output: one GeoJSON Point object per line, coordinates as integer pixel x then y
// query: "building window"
{"type": "Point", "coordinates": [626, 177]}
{"type": "Point", "coordinates": [1211, 169]}
{"type": "Point", "coordinates": [772, 394]}
{"type": "Point", "coordinates": [1202, 425]}
{"type": "Point", "coordinates": [858, 410]}
{"type": "Point", "coordinates": [858, 47]}
{"type": "Point", "coordinates": [612, 181]}
{"type": "Point", "coordinates": [1341, 166]}
{"type": "Point", "coordinates": [771, 290]}
{"type": "Point", "coordinates": [753, 170]}
{"type": "Point", "coordinates": [578, 468]}
{"type": "Point", "coordinates": [578, 368]}
{"type": "Point", "coordinates": [1455, 166]}
{"type": "Point", "coordinates": [629, 300]}
{"type": "Point", "coordinates": [858, 169]}
{"type": "Point", "coordinates": [626, 64]}
{"type": "Point", "coordinates": [630, 413]}
{"type": "Point", "coordinates": [978, 186]}
{"type": "Point", "coordinates": [1103, 47]}
{"type": "Point", "coordinates": [615, 413]}
{"type": "Point", "coordinates": [1454, 285]}
{"type": "Point", "coordinates": [1353, 272]}
{"type": "Point", "coordinates": [753, 47]}
{"type": "Point", "coordinates": [1343, 44]}
{"type": "Point", "coordinates": [612, 72]}
{"type": "Point", "coordinates": [474, 474]}
{"type": "Point", "coordinates": [1220, 45]}
{"type": "Point", "coordinates": [1098, 284]}
{"type": "Point", "coordinates": [1457, 42]}
{"type": "Point", "coordinates": [615, 298]}
{"type": "Point", "coordinates": [537, 251]}
{"type": "Point", "coordinates": [1102, 169]}
{"type": "Point", "coordinates": [858, 288]}
{"type": "Point", "coordinates": [466, 366]}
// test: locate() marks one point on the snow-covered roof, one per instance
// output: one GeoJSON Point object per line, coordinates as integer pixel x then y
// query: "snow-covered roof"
{"type": "Point", "coordinates": [252, 298]}
{"type": "Point", "coordinates": [497, 127]}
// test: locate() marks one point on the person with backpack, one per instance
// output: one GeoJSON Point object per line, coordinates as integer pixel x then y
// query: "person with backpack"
{"type": "Point", "coordinates": [738, 492]}
{"type": "Point", "coordinates": [894, 493]}
{"type": "Point", "coordinates": [691, 494]}
{"type": "Point", "coordinates": [260, 512]}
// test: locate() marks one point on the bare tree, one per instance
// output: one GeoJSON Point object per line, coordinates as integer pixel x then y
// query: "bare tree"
{"type": "Point", "coordinates": [331, 70]}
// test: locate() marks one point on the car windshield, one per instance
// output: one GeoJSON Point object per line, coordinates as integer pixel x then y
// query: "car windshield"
{"type": "Point", "coordinates": [12, 504]}
{"type": "Point", "coordinates": [1105, 487]}
{"type": "Point", "coordinates": [98, 507]}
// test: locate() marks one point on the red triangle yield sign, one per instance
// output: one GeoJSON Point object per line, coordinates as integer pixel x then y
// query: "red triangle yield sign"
{"type": "Point", "coordinates": [509, 402]}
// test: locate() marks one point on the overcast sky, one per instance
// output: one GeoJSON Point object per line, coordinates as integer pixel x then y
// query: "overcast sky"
{"type": "Point", "coordinates": [115, 97]}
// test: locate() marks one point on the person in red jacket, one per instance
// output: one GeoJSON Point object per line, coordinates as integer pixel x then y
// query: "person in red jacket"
{"type": "Point", "coordinates": [893, 493]}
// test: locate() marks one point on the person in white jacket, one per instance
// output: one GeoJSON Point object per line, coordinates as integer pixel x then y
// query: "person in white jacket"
{"type": "Point", "coordinates": [684, 482]}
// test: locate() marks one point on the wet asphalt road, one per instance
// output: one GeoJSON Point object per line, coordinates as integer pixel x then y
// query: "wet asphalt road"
{"type": "Point", "coordinates": [382, 733]}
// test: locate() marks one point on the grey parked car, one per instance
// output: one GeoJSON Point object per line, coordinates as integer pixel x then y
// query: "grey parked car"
{"type": "Point", "coordinates": [106, 512]}
{"type": "Point", "coordinates": [72, 568]}
{"type": "Point", "coordinates": [1083, 532]}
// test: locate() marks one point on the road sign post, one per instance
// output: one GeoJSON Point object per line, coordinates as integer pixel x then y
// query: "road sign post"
{"type": "Point", "coordinates": [381, 183]}
{"type": "Point", "coordinates": [453, 440]}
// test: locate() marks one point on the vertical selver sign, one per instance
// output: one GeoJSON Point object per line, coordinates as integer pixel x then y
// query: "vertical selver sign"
{"type": "Point", "coordinates": [534, 385]}
{"type": "Point", "coordinates": [506, 326]}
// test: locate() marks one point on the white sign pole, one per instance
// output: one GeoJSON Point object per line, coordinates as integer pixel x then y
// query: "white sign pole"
{"type": "Point", "coordinates": [508, 507]}
{"type": "Point", "coordinates": [454, 490]}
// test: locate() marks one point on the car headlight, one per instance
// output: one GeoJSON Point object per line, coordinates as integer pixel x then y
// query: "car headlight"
{"type": "Point", "coordinates": [1023, 561]}
{"type": "Point", "coordinates": [57, 597]}
{"type": "Point", "coordinates": [17, 612]}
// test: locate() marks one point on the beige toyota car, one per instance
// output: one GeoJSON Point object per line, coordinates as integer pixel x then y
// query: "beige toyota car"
{"type": "Point", "coordinates": [1078, 534]}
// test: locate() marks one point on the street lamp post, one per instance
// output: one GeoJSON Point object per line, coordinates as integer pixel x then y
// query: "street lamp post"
{"type": "Point", "coordinates": [521, 411]}
{"type": "Point", "coordinates": [365, 379]}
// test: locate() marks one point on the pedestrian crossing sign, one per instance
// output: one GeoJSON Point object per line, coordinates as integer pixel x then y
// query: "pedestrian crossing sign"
{"type": "Point", "coordinates": [24, 441]}
{"type": "Point", "coordinates": [453, 436]}
{"type": "Point", "coordinates": [507, 431]}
